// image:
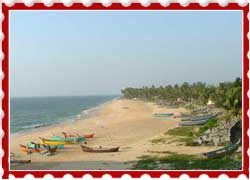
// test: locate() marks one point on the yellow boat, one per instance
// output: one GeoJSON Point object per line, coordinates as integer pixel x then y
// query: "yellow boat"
{"type": "Point", "coordinates": [52, 142]}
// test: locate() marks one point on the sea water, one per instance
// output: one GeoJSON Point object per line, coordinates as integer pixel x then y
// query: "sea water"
{"type": "Point", "coordinates": [29, 113]}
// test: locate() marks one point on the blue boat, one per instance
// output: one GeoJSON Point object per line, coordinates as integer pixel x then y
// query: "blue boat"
{"type": "Point", "coordinates": [200, 118]}
{"type": "Point", "coordinates": [33, 145]}
{"type": "Point", "coordinates": [163, 114]}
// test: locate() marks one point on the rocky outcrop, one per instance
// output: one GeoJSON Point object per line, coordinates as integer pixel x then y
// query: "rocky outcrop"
{"type": "Point", "coordinates": [220, 135]}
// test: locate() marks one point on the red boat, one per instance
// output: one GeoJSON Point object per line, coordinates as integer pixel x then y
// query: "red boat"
{"type": "Point", "coordinates": [77, 135]}
{"type": "Point", "coordinates": [89, 135]}
{"type": "Point", "coordinates": [25, 149]}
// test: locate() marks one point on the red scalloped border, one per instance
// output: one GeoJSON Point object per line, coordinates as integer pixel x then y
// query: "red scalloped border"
{"type": "Point", "coordinates": [119, 6]}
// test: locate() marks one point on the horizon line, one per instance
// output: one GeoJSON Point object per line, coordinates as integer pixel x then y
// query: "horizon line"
{"type": "Point", "coordinates": [66, 95]}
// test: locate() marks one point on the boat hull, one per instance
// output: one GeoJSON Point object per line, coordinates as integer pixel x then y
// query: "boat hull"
{"type": "Point", "coordinates": [163, 115]}
{"type": "Point", "coordinates": [221, 152]}
{"type": "Point", "coordinates": [68, 139]}
{"type": "Point", "coordinates": [54, 142]}
{"type": "Point", "coordinates": [99, 150]}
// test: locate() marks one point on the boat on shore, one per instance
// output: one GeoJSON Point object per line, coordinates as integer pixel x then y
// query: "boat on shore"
{"type": "Point", "coordinates": [25, 149]}
{"type": "Point", "coordinates": [89, 135]}
{"type": "Point", "coordinates": [163, 114]}
{"type": "Point", "coordinates": [193, 123]}
{"type": "Point", "coordinates": [223, 151]}
{"type": "Point", "coordinates": [74, 139]}
{"type": "Point", "coordinates": [67, 135]}
{"type": "Point", "coordinates": [41, 150]}
{"type": "Point", "coordinates": [37, 146]}
{"type": "Point", "coordinates": [200, 118]}
{"type": "Point", "coordinates": [99, 149]}
{"type": "Point", "coordinates": [20, 161]}
{"type": "Point", "coordinates": [55, 142]}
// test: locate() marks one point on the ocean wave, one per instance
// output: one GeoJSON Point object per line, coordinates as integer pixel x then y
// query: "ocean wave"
{"type": "Point", "coordinates": [84, 114]}
{"type": "Point", "coordinates": [34, 126]}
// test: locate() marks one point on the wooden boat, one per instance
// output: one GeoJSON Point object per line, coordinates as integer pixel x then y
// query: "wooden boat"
{"type": "Point", "coordinates": [20, 161]}
{"type": "Point", "coordinates": [89, 135]}
{"type": "Point", "coordinates": [223, 151]}
{"type": "Point", "coordinates": [46, 146]}
{"type": "Point", "coordinates": [31, 150]}
{"type": "Point", "coordinates": [74, 135]}
{"type": "Point", "coordinates": [199, 118]}
{"type": "Point", "coordinates": [55, 142]}
{"type": "Point", "coordinates": [193, 123]}
{"type": "Point", "coordinates": [99, 150]}
{"type": "Point", "coordinates": [163, 114]}
{"type": "Point", "coordinates": [27, 149]}
{"type": "Point", "coordinates": [75, 139]}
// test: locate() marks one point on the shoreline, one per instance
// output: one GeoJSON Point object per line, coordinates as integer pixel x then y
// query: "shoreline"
{"type": "Point", "coordinates": [128, 124]}
{"type": "Point", "coordinates": [91, 112]}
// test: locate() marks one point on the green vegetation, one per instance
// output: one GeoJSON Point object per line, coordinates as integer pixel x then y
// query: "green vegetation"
{"type": "Point", "coordinates": [184, 162]}
{"type": "Point", "coordinates": [183, 134]}
{"type": "Point", "coordinates": [210, 124]}
{"type": "Point", "coordinates": [182, 131]}
{"type": "Point", "coordinates": [186, 134]}
{"type": "Point", "coordinates": [227, 95]}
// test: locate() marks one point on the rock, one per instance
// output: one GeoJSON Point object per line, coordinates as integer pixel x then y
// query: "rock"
{"type": "Point", "coordinates": [219, 135]}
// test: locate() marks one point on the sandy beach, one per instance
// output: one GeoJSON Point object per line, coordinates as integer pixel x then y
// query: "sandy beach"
{"type": "Point", "coordinates": [125, 123]}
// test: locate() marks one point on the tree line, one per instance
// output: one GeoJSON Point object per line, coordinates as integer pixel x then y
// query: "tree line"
{"type": "Point", "coordinates": [227, 95]}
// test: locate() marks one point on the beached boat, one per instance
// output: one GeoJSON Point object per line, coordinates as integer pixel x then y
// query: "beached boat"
{"type": "Point", "coordinates": [223, 151]}
{"type": "Point", "coordinates": [74, 135]}
{"type": "Point", "coordinates": [99, 150]}
{"type": "Point", "coordinates": [199, 118]}
{"type": "Point", "coordinates": [46, 146]}
{"type": "Point", "coordinates": [89, 135]}
{"type": "Point", "coordinates": [31, 150]}
{"type": "Point", "coordinates": [20, 161]}
{"type": "Point", "coordinates": [163, 114]}
{"type": "Point", "coordinates": [193, 123]}
{"type": "Point", "coordinates": [28, 149]}
{"type": "Point", "coordinates": [55, 142]}
{"type": "Point", "coordinates": [68, 139]}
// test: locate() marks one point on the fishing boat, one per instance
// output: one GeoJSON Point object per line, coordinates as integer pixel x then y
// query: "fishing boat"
{"type": "Point", "coordinates": [223, 151]}
{"type": "Point", "coordinates": [31, 150]}
{"type": "Point", "coordinates": [75, 135]}
{"type": "Point", "coordinates": [199, 118]}
{"type": "Point", "coordinates": [99, 150]}
{"type": "Point", "coordinates": [46, 146]}
{"type": "Point", "coordinates": [75, 139]}
{"type": "Point", "coordinates": [28, 149]}
{"type": "Point", "coordinates": [55, 142]}
{"type": "Point", "coordinates": [163, 114]}
{"type": "Point", "coordinates": [89, 135]}
{"type": "Point", "coordinates": [193, 123]}
{"type": "Point", "coordinates": [20, 161]}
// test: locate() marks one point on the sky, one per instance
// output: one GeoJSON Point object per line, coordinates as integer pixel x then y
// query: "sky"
{"type": "Point", "coordinates": [64, 53]}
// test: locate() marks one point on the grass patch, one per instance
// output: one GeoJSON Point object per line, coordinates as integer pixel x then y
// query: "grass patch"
{"type": "Point", "coordinates": [210, 124]}
{"type": "Point", "coordinates": [181, 131]}
{"type": "Point", "coordinates": [184, 134]}
{"type": "Point", "coordinates": [185, 162]}
{"type": "Point", "coordinates": [158, 140]}
{"type": "Point", "coordinates": [162, 152]}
